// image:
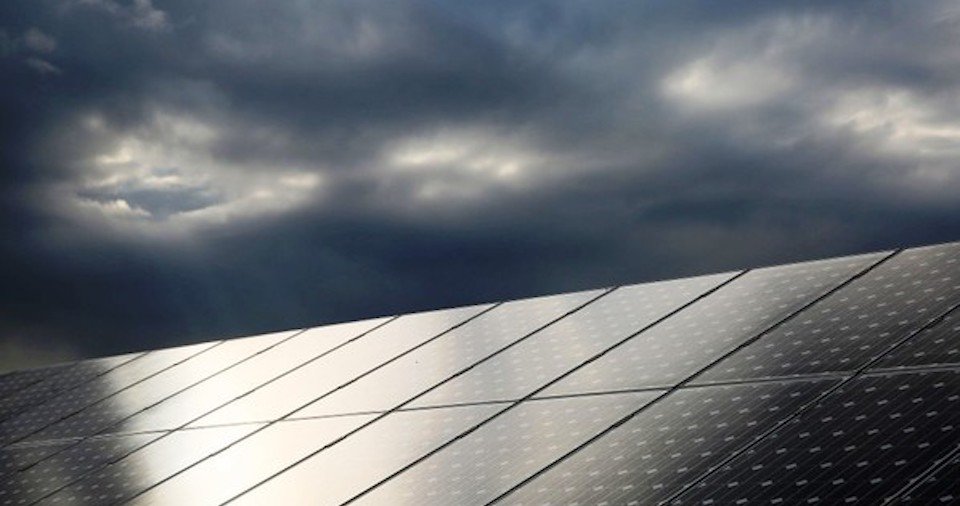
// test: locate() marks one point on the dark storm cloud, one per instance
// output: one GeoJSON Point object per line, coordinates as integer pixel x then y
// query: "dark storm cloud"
{"type": "Point", "coordinates": [175, 170]}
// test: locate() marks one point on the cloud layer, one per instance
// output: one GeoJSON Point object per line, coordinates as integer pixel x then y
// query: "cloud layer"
{"type": "Point", "coordinates": [178, 170]}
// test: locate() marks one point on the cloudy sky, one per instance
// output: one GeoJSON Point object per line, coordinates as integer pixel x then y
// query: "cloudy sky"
{"type": "Point", "coordinates": [174, 171]}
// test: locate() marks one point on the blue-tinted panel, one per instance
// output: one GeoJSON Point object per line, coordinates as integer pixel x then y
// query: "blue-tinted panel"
{"type": "Point", "coordinates": [668, 445]}
{"type": "Point", "coordinates": [368, 456]}
{"type": "Point", "coordinates": [936, 345]}
{"type": "Point", "coordinates": [68, 379]}
{"type": "Point", "coordinates": [688, 341]}
{"type": "Point", "coordinates": [857, 323]}
{"type": "Point", "coordinates": [94, 391]}
{"type": "Point", "coordinates": [412, 374]}
{"type": "Point", "coordinates": [148, 466]}
{"type": "Point", "coordinates": [217, 391]}
{"type": "Point", "coordinates": [244, 464]}
{"type": "Point", "coordinates": [544, 356]}
{"type": "Point", "coordinates": [504, 451]}
{"type": "Point", "coordinates": [116, 408]}
{"type": "Point", "coordinates": [296, 389]}
{"type": "Point", "coordinates": [66, 466]}
{"type": "Point", "coordinates": [860, 444]}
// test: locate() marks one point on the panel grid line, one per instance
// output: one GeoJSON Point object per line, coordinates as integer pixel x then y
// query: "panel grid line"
{"type": "Point", "coordinates": [694, 375]}
{"type": "Point", "coordinates": [917, 481]}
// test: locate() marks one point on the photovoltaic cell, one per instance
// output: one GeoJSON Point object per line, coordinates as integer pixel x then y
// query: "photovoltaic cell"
{"type": "Point", "coordinates": [299, 386]}
{"type": "Point", "coordinates": [94, 391]}
{"type": "Point", "coordinates": [241, 379]}
{"type": "Point", "coordinates": [942, 487]}
{"type": "Point", "coordinates": [686, 342]}
{"type": "Point", "coordinates": [546, 355]}
{"type": "Point", "coordinates": [668, 445]}
{"type": "Point", "coordinates": [506, 450]}
{"type": "Point", "coordinates": [938, 344]}
{"type": "Point", "coordinates": [19, 456]}
{"type": "Point", "coordinates": [147, 466]}
{"type": "Point", "coordinates": [53, 472]}
{"type": "Point", "coordinates": [116, 408]}
{"type": "Point", "coordinates": [860, 444]}
{"type": "Point", "coordinates": [67, 379]}
{"type": "Point", "coordinates": [857, 323]}
{"type": "Point", "coordinates": [13, 382]}
{"type": "Point", "coordinates": [368, 456]}
{"type": "Point", "coordinates": [413, 374]}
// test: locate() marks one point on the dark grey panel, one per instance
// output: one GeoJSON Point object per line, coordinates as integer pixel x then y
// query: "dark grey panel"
{"type": "Point", "coordinates": [546, 355]}
{"type": "Point", "coordinates": [216, 479]}
{"type": "Point", "coordinates": [686, 342]}
{"type": "Point", "coordinates": [856, 324]}
{"type": "Point", "coordinates": [217, 391]}
{"type": "Point", "coordinates": [149, 465]}
{"type": "Point", "coordinates": [12, 382]}
{"type": "Point", "coordinates": [296, 389]}
{"type": "Point", "coordinates": [860, 444]}
{"type": "Point", "coordinates": [67, 379]}
{"type": "Point", "coordinates": [412, 374]}
{"type": "Point", "coordinates": [943, 487]}
{"type": "Point", "coordinates": [669, 444]}
{"type": "Point", "coordinates": [66, 466]}
{"type": "Point", "coordinates": [367, 456]}
{"type": "Point", "coordinates": [23, 455]}
{"type": "Point", "coordinates": [112, 410]}
{"type": "Point", "coordinates": [505, 450]}
{"type": "Point", "coordinates": [937, 345]}
{"type": "Point", "coordinates": [94, 391]}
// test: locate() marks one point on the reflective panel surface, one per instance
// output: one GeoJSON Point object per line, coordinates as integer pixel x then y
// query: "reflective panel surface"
{"type": "Point", "coordinates": [67, 378]}
{"type": "Point", "coordinates": [155, 462]}
{"type": "Point", "coordinates": [942, 487]}
{"type": "Point", "coordinates": [860, 444]}
{"type": "Point", "coordinates": [13, 382]}
{"type": "Point", "coordinates": [66, 466]}
{"type": "Point", "coordinates": [668, 445]}
{"type": "Point", "coordinates": [689, 340]}
{"type": "Point", "coordinates": [302, 385]}
{"type": "Point", "coordinates": [368, 456]}
{"type": "Point", "coordinates": [112, 410]}
{"type": "Point", "coordinates": [96, 390]}
{"type": "Point", "coordinates": [935, 345]}
{"type": "Point", "coordinates": [857, 323]}
{"type": "Point", "coordinates": [241, 379]}
{"type": "Point", "coordinates": [544, 356]}
{"type": "Point", "coordinates": [412, 374]}
{"type": "Point", "coordinates": [19, 456]}
{"type": "Point", "coordinates": [244, 464]}
{"type": "Point", "coordinates": [506, 450]}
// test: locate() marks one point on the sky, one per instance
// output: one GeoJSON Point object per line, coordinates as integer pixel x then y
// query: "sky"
{"type": "Point", "coordinates": [179, 171]}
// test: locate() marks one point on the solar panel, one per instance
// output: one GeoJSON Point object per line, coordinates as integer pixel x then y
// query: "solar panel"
{"type": "Point", "coordinates": [668, 445]}
{"type": "Point", "coordinates": [860, 444]}
{"type": "Point", "coordinates": [829, 382]}
{"type": "Point", "coordinates": [546, 355]}
{"type": "Point", "coordinates": [503, 452]}
{"type": "Point", "coordinates": [701, 333]}
{"type": "Point", "coordinates": [857, 323]}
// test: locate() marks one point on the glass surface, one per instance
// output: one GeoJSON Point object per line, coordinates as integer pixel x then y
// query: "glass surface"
{"type": "Point", "coordinates": [112, 410]}
{"type": "Point", "coordinates": [217, 391]}
{"type": "Point", "coordinates": [67, 379]}
{"type": "Point", "coordinates": [368, 456]}
{"type": "Point", "coordinates": [942, 487]}
{"type": "Point", "coordinates": [544, 356]}
{"type": "Point", "coordinates": [13, 382]}
{"type": "Point", "coordinates": [244, 464]}
{"type": "Point", "coordinates": [94, 391]}
{"type": "Point", "coordinates": [504, 451]}
{"type": "Point", "coordinates": [155, 462]}
{"type": "Point", "coordinates": [669, 444]}
{"type": "Point", "coordinates": [296, 389]}
{"type": "Point", "coordinates": [19, 456]}
{"type": "Point", "coordinates": [857, 323]}
{"type": "Point", "coordinates": [68, 465]}
{"type": "Point", "coordinates": [686, 342]}
{"type": "Point", "coordinates": [412, 374]}
{"type": "Point", "coordinates": [860, 444]}
{"type": "Point", "coordinates": [937, 345]}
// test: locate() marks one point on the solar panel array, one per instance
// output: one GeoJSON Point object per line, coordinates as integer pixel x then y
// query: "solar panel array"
{"type": "Point", "coordinates": [830, 382]}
